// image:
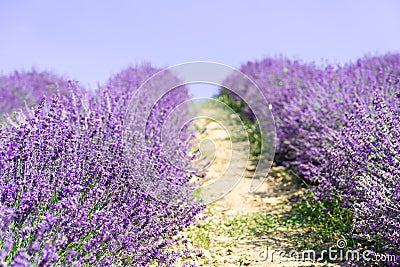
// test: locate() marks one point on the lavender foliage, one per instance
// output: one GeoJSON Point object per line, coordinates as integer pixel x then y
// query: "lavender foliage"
{"type": "Point", "coordinates": [362, 167]}
{"type": "Point", "coordinates": [305, 98]}
{"type": "Point", "coordinates": [346, 150]}
{"type": "Point", "coordinates": [71, 195]}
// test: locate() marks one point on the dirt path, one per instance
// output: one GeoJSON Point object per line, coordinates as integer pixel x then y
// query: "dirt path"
{"type": "Point", "coordinates": [231, 235]}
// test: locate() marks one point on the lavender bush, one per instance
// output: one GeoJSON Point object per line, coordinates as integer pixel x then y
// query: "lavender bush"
{"type": "Point", "coordinates": [23, 88]}
{"type": "Point", "coordinates": [362, 168]}
{"type": "Point", "coordinates": [314, 109]}
{"type": "Point", "coordinates": [304, 98]}
{"type": "Point", "coordinates": [71, 195]}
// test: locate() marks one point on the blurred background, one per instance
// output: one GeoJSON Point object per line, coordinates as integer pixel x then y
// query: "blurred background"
{"type": "Point", "coordinates": [91, 40]}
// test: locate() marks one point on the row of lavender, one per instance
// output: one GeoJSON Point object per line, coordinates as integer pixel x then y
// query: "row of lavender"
{"type": "Point", "coordinates": [338, 128]}
{"type": "Point", "coordinates": [69, 193]}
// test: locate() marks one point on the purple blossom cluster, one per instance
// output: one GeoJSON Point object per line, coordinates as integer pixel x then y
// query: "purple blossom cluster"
{"type": "Point", "coordinates": [26, 88]}
{"type": "Point", "coordinates": [352, 110]}
{"type": "Point", "coordinates": [362, 167]}
{"type": "Point", "coordinates": [70, 193]}
{"type": "Point", "coordinates": [305, 98]}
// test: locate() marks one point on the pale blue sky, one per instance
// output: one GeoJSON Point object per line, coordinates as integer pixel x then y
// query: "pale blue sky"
{"type": "Point", "coordinates": [90, 40]}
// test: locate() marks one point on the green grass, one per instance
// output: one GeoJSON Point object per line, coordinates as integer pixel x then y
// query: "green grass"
{"type": "Point", "coordinates": [253, 224]}
{"type": "Point", "coordinates": [251, 126]}
{"type": "Point", "coordinates": [200, 234]}
{"type": "Point", "coordinates": [323, 222]}
{"type": "Point", "coordinates": [307, 224]}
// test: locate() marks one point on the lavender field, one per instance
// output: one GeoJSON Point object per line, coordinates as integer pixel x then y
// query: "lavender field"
{"type": "Point", "coordinates": [71, 187]}
{"type": "Point", "coordinates": [338, 129]}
